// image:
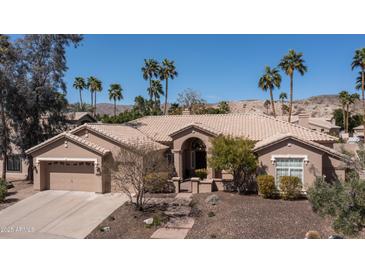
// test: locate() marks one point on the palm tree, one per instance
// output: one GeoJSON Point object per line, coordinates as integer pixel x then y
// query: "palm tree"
{"type": "Point", "coordinates": [358, 61]}
{"type": "Point", "coordinates": [269, 81]}
{"type": "Point", "coordinates": [351, 100]}
{"type": "Point", "coordinates": [167, 71]}
{"type": "Point", "coordinates": [94, 85]}
{"type": "Point", "coordinates": [115, 93]}
{"type": "Point", "coordinates": [155, 91]}
{"type": "Point", "coordinates": [150, 69]}
{"type": "Point", "coordinates": [267, 105]}
{"type": "Point", "coordinates": [343, 97]}
{"type": "Point", "coordinates": [79, 84]}
{"type": "Point", "coordinates": [289, 64]}
{"type": "Point", "coordinates": [283, 96]}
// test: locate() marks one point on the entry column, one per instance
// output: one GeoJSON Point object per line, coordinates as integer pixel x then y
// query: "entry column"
{"type": "Point", "coordinates": [178, 162]}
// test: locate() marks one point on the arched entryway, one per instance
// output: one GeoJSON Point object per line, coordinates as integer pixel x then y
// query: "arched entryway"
{"type": "Point", "coordinates": [194, 156]}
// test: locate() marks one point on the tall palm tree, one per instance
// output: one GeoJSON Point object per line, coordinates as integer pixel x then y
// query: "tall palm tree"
{"type": "Point", "coordinates": [269, 81]}
{"type": "Point", "coordinates": [358, 61]}
{"type": "Point", "coordinates": [115, 93]}
{"type": "Point", "coordinates": [155, 91]}
{"type": "Point", "coordinates": [343, 97]}
{"type": "Point", "coordinates": [283, 96]}
{"type": "Point", "coordinates": [150, 70]}
{"type": "Point", "coordinates": [267, 105]}
{"type": "Point", "coordinates": [351, 100]}
{"type": "Point", "coordinates": [167, 71]}
{"type": "Point", "coordinates": [79, 84]}
{"type": "Point", "coordinates": [289, 64]}
{"type": "Point", "coordinates": [94, 85]}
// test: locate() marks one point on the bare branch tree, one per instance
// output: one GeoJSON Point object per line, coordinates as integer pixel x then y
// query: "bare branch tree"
{"type": "Point", "coordinates": [135, 172]}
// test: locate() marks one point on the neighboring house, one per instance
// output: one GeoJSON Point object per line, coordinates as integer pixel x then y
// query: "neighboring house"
{"type": "Point", "coordinates": [17, 167]}
{"type": "Point", "coordinates": [324, 125]}
{"type": "Point", "coordinates": [359, 131]}
{"type": "Point", "coordinates": [79, 159]}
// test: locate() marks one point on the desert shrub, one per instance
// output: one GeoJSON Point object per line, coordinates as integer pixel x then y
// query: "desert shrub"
{"type": "Point", "coordinates": [159, 183]}
{"type": "Point", "coordinates": [290, 187]}
{"type": "Point", "coordinates": [3, 190]}
{"type": "Point", "coordinates": [344, 202]}
{"type": "Point", "coordinates": [201, 173]}
{"type": "Point", "coordinates": [266, 184]}
{"type": "Point", "coordinates": [211, 214]}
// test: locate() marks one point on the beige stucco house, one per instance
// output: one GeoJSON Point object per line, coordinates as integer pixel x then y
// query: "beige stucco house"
{"type": "Point", "coordinates": [77, 160]}
{"type": "Point", "coordinates": [321, 124]}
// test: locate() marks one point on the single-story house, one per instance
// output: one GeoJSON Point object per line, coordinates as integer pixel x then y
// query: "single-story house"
{"type": "Point", "coordinates": [77, 159]}
{"type": "Point", "coordinates": [17, 166]}
{"type": "Point", "coordinates": [322, 124]}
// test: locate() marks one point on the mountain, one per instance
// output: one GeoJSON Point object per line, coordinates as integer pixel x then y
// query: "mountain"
{"type": "Point", "coordinates": [316, 106]}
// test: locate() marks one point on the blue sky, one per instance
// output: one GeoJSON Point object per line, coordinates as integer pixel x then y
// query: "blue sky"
{"type": "Point", "coordinates": [220, 67]}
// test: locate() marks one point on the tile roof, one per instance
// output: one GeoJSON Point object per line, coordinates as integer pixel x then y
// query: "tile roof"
{"type": "Point", "coordinates": [321, 122]}
{"type": "Point", "coordinates": [279, 137]}
{"type": "Point", "coordinates": [72, 137]}
{"type": "Point", "coordinates": [125, 135]}
{"type": "Point", "coordinates": [254, 126]}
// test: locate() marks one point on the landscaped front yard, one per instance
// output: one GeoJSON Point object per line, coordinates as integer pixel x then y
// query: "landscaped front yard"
{"type": "Point", "coordinates": [252, 217]}
{"type": "Point", "coordinates": [20, 190]}
{"type": "Point", "coordinates": [234, 216]}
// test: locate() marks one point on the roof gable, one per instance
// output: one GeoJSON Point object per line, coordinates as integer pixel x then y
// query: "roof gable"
{"type": "Point", "coordinates": [282, 137]}
{"type": "Point", "coordinates": [201, 127]}
{"type": "Point", "coordinates": [76, 139]}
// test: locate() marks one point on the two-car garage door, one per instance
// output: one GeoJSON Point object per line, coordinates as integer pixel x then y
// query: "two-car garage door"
{"type": "Point", "coordinates": [76, 176]}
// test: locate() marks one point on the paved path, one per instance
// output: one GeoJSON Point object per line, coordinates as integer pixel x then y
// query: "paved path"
{"type": "Point", "coordinates": [58, 214]}
{"type": "Point", "coordinates": [176, 228]}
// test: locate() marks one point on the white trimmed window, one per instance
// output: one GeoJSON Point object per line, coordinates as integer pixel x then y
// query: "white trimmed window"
{"type": "Point", "coordinates": [289, 167]}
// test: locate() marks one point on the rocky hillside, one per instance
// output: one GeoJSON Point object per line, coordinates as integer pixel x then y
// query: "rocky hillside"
{"type": "Point", "coordinates": [317, 106]}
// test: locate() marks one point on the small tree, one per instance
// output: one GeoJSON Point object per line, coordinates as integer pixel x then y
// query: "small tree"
{"type": "Point", "coordinates": [135, 172]}
{"type": "Point", "coordinates": [236, 156]}
{"type": "Point", "coordinates": [344, 202]}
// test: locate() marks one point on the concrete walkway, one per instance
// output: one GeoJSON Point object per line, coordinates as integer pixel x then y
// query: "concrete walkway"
{"type": "Point", "coordinates": [57, 214]}
{"type": "Point", "coordinates": [178, 227]}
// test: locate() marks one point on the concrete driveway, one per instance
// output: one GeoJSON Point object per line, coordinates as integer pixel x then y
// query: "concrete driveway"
{"type": "Point", "coordinates": [57, 214]}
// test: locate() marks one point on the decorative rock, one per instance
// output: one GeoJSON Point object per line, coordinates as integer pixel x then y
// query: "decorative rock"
{"type": "Point", "coordinates": [212, 199]}
{"type": "Point", "coordinates": [312, 234]}
{"type": "Point", "coordinates": [148, 221]}
{"type": "Point", "coordinates": [105, 229]}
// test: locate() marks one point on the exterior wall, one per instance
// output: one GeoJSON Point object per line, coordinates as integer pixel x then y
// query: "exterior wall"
{"type": "Point", "coordinates": [59, 150]}
{"type": "Point", "coordinates": [291, 147]}
{"type": "Point", "coordinates": [16, 175]}
{"type": "Point", "coordinates": [333, 168]}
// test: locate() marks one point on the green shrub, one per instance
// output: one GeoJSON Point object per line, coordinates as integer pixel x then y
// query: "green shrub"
{"type": "Point", "coordinates": [158, 182]}
{"type": "Point", "coordinates": [201, 173]}
{"type": "Point", "coordinates": [290, 187]}
{"type": "Point", "coordinates": [343, 202]}
{"type": "Point", "coordinates": [266, 184]}
{"type": "Point", "coordinates": [3, 190]}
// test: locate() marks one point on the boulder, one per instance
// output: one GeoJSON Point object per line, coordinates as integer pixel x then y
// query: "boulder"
{"type": "Point", "coordinates": [148, 221]}
{"type": "Point", "coordinates": [212, 199]}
